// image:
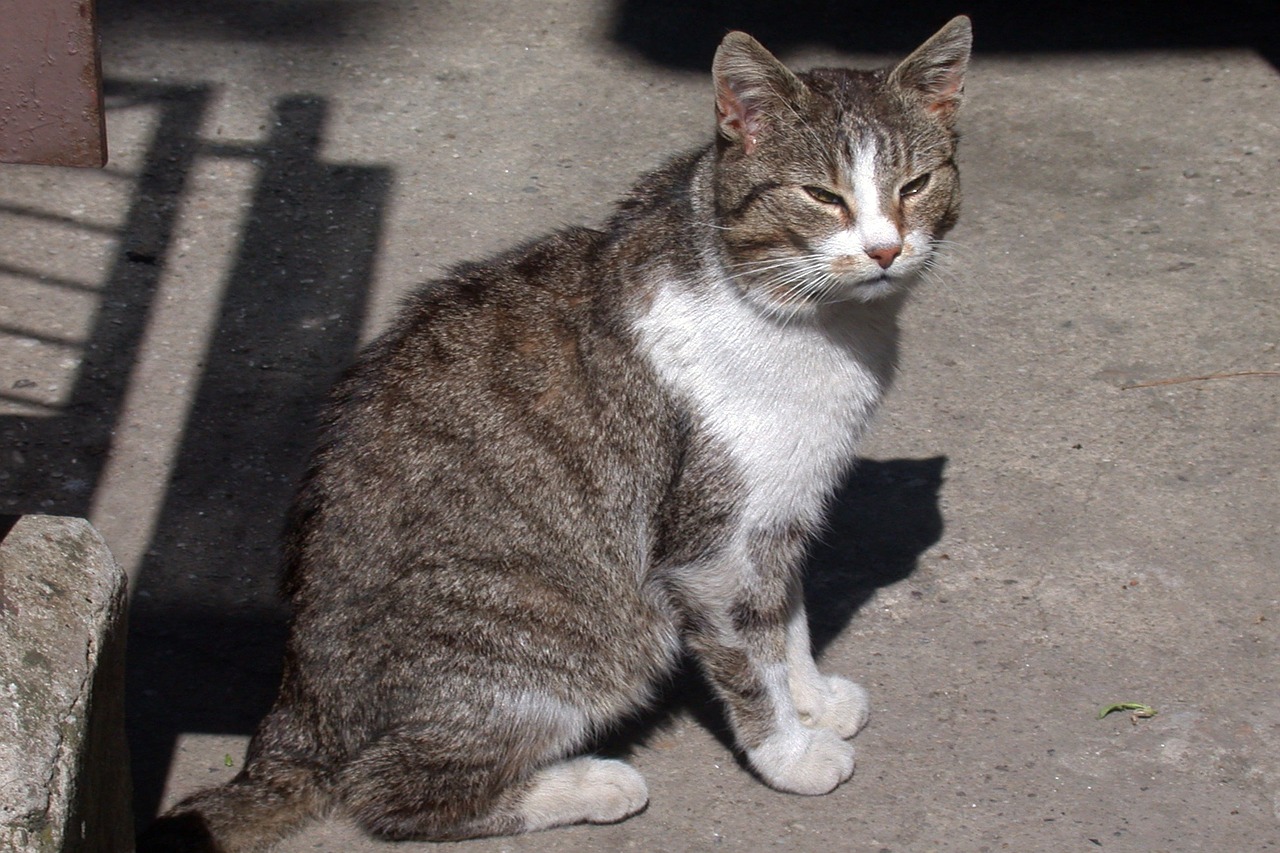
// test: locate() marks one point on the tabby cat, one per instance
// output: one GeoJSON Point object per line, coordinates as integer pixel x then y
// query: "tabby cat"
{"type": "Point", "coordinates": [564, 468]}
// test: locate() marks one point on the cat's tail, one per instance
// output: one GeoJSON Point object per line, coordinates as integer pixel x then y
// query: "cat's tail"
{"type": "Point", "coordinates": [259, 807]}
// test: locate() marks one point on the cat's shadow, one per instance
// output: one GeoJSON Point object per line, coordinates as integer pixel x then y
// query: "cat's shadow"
{"type": "Point", "coordinates": [884, 517]}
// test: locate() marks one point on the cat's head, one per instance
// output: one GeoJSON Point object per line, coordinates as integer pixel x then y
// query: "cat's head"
{"type": "Point", "coordinates": [835, 185]}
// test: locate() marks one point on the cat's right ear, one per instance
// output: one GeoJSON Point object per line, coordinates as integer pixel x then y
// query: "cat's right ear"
{"type": "Point", "coordinates": [752, 86]}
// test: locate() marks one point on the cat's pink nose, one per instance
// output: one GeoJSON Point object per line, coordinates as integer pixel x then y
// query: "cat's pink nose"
{"type": "Point", "coordinates": [884, 255]}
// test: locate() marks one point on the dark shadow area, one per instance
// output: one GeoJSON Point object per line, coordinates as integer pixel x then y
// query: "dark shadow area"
{"type": "Point", "coordinates": [205, 628]}
{"type": "Point", "coordinates": [685, 35]}
{"type": "Point", "coordinates": [53, 464]}
{"type": "Point", "coordinates": [884, 517]}
{"type": "Point", "coordinates": [192, 669]}
{"type": "Point", "coordinates": [206, 631]}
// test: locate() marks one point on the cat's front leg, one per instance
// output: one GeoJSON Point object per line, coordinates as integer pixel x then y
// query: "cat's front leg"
{"type": "Point", "coordinates": [822, 701]}
{"type": "Point", "coordinates": [737, 629]}
{"type": "Point", "coordinates": [799, 758]}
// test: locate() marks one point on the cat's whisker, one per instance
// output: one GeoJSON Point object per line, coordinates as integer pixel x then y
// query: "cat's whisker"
{"type": "Point", "coordinates": [950, 249]}
{"type": "Point", "coordinates": [790, 290]}
{"type": "Point", "coordinates": [951, 253]}
{"type": "Point", "coordinates": [804, 265]}
{"type": "Point", "coordinates": [787, 273]}
{"type": "Point", "coordinates": [935, 275]}
{"type": "Point", "coordinates": [791, 283]}
{"type": "Point", "coordinates": [810, 281]}
{"type": "Point", "coordinates": [751, 267]}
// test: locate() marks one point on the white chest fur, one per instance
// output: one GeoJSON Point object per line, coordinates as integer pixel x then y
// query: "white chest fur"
{"type": "Point", "coordinates": [788, 400]}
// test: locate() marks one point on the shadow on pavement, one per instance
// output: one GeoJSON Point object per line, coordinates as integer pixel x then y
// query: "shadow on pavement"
{"type": "Point", "coordinates": [281, 21]}
{"type": "Point", "coordinates": [53, 464]}
{"type": "Point", "coordinates": [685, 34]}
{"type": "Point", "coordinates": [206, 629]}
{"type": "Point", "coordinates": [886, 516]}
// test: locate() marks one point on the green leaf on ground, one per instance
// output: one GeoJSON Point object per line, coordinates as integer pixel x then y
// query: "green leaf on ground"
{"type": "Point", "coordinates": [1138, 709]}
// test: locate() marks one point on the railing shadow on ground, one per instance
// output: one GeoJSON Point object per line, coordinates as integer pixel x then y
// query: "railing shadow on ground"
{"type": "Point", "coordinates": [75, 439]}
{"type": "Point", "coordinates": [206, 629]}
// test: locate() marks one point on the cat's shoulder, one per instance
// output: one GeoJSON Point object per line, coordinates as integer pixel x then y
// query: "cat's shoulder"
{"type": "Point", "coordinates": [556, 264]}
{"type": "Point", "coordinates": [657, 190]}
{"type": "Point", "coordinates": [483, 314]}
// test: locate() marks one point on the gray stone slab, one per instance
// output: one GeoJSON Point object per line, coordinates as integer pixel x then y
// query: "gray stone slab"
{"type": "Point", "coordinates": [64, 770]}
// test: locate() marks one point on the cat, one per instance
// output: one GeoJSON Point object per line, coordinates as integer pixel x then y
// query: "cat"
{"type": "Point", "coordinates": [565, 468]}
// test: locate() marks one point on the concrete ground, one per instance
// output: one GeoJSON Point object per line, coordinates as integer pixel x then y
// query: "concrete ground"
{"type": "Point", "coordinates": [1041, 527]}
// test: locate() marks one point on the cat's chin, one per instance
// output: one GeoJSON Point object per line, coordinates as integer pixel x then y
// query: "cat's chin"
{"type": "Point", "coordinates": [869, 289]}
{"type": "Point", "coordinates": [872, 289]}
{"type": "Point", "coordinates": [858, 291]}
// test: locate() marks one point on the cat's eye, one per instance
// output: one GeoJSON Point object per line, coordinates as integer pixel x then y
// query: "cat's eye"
{"type": "Point", "coordinates": [914, 186]}
{"type": "Point", "coordinates": [822, 196]}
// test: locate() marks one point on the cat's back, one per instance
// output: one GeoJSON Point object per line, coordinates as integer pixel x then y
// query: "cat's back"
{"type": "Point", "coordinates": [479, 310]}
{"type": "Point", "coordinates": [508, 332]}
{"type": "Point", "coordinates": [509, 391]}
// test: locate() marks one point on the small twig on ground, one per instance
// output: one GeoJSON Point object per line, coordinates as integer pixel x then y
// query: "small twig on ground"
{"type": "Point", "coordinates": [1180, 379]}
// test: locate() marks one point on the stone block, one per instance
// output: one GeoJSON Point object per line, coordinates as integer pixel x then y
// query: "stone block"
{"type": "Point", "coordinates": [64, 769]}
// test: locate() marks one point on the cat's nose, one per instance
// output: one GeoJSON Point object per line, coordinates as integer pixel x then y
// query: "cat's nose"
{"type": "Point", "coordinates": [884, 255]}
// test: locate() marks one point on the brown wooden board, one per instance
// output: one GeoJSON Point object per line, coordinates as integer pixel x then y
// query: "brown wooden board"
{"type": "Point", "coordinates": [50, 84]}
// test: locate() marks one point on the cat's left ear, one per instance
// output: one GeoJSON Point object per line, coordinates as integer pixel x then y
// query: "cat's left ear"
{"type": "Point", "coordinates": [934, 74]}
{"type": "Point", "coordinates": [752, 87]}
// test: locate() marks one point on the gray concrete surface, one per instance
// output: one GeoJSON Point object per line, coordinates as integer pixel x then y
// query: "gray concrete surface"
{"type": "Point", "coordinates": [64, 766]}
{"type": "Point", "coordinates": [1030, 538]}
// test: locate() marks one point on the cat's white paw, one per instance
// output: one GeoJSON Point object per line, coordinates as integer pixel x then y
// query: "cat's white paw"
{"type": "Point", "coordinates": [835, 703]}
{"type": "Point", "coordinates": [803, 761]}
{"type": "Point", "coordinates": [619, 791]}
{"type": "Point", "coordinates": [583, 790]}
